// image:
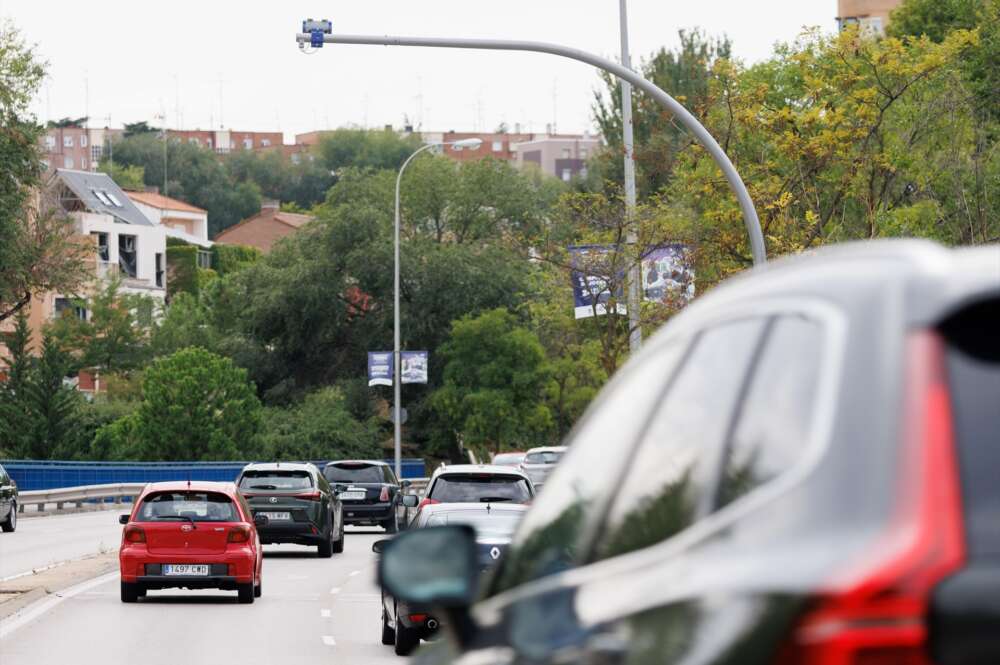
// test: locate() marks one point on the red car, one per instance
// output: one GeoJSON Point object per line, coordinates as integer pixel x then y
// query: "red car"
{"type": "Point", "coordinates": [192, 535]}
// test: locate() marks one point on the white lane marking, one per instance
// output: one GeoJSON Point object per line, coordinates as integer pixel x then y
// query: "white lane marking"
{"type": "Point", "coordinates": [329, 641]}
{"type": "Point", "coordinates": [335, 590]}
{"type": "Point", "coordinates": [325, 614]}
{"type": "Point", "coordinates": [36, 610]}
{"type": "Point", "coordinates": [354, 572]}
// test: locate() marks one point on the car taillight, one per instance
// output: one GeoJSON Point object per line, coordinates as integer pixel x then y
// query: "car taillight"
{"type": "Point", "coordinates": [418, 618]}
{"type": "Point", "coordinates": [875, 614]}
{"type": "Point", "coordinates": [427, 502]}
{"type": "Point", "coordinates": [309, 496]}
{"type": "Point", "coordinates": [239, 534]}
{"type": "Point", "coordinates": [384, 495]}
{"type": "Point", "coordinates": [134, 534]}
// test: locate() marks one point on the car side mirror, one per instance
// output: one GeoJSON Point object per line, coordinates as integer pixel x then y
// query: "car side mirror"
{"type": "Point", "coordinates": [379, 545]}
{"type": "Point", "coordinates": [260, 519]}
{"type": "Point", "coordinates": [411, 500]}
{"type": "Point", "coordinates": [405, 483]}
{"type": "Point", "coordinates": [434, 567]}
{"type": "Point", "coordinates": [123, 519]}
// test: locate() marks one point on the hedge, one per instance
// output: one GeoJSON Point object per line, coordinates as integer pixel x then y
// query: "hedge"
{"type": "Point", "coordinates": [231, 258]}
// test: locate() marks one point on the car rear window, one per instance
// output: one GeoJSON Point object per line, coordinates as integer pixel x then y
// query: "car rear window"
{"type": "Point", "coordinates": [542, 458]}
{"type": "Point", "coordinates": [276, 480]}
{"type": "Point", "coordinates": [973, 363]}
{"type": "Point", "coordinates": [509, 459]}
{"type": "Point", "coordinates": [198, 506]}
{"type": "Point", "coordinates": [354, 473]}
{"type": "Point", "coordinates": [480, 488]}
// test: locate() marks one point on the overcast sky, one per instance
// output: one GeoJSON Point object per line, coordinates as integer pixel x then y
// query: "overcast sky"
{"type": "Point", "coordinates": [217, 62]}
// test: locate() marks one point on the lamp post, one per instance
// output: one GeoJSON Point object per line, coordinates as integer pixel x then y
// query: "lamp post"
{"type": "Point", "coordinates": [316, 33]}
{"type": "Point", "coordinates": [397, 375]}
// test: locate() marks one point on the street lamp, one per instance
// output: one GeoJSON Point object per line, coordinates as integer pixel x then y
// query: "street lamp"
{"type": "Point", "coordinates": [397, 375]}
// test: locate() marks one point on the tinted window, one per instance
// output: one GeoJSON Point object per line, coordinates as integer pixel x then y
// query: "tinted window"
{"type": "Point", "coordinates": [199, 506]}
{"type": "Point", "coordinates": [973, 364]}
{"type": "Point", "coordinates": [556, 529]}
{"type": "Point", "coordinates": [509, 459]}
{"type": "Point", "coordinates": [672, 473]}
{"type": "Point", "coordinates": [774, 419]}
{"type": "Point", "coordinates": [276, 480]}
{"type": "Point", "coordinates": [459, 488]}
{"type": "Point", "coordinates": [542, 458]}
{"type": "Point", "coordinates": [389, 476]}
{"type": "Point", "coordinates": [354, 473]}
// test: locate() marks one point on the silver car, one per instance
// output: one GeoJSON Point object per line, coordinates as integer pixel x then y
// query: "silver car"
{"type": "Point", "coordinates": [539, 462]}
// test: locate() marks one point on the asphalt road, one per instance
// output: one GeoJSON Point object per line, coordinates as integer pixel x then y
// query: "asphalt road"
{"type": "Point", "coordinates": [42, 541]}
{"type": "Point", "coordinates": [313, 611]}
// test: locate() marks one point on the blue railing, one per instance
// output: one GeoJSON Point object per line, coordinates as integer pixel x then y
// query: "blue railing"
{"type": "Point", "coordinates": [50, 474]}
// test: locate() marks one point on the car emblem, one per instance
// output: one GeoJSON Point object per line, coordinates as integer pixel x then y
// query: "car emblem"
{"type": "Point", "coordinates": [273, 499]}
{"type": "Point", "coordinates": [495, 553]}
{"type": "Point", "coordinates": [186, 528]}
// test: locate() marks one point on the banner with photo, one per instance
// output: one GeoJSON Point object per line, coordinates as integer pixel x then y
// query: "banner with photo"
{"type": "Point", "coordinates": [667, 275]}
{"type": "Point", "coordinates": [380, 368]}
{"type": "Point", "coordinates": [591, 276]}
{"type": "Point", "coordinates": [413, 366]}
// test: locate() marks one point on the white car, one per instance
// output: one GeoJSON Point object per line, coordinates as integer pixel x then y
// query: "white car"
{"type": "Point", "coordinates": [539, 463]}
{"type": "Point", "coordinates": [478, 483]}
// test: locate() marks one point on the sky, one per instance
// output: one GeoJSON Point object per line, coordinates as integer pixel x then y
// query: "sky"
{"type": "Point", "coordinates": [219, 63]}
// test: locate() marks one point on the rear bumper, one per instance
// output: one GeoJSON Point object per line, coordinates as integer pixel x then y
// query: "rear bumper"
{"type": "Point", "coordinates": [137, 564]}
{"type": "Point", "coordinates": [301, 533]}
{"type": "Point", "coordinates": [367, 513]}
{"type": "Point", "coordinates": [225, 582]}
{"type": "Point", "coordinates": [426, 629]}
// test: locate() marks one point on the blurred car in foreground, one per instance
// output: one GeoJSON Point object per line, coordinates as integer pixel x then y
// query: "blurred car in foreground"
{"type": "Point", "coordinates": [513, 458]}
{"type": "Point", "coordinates": [8, 502]}
{"type": "Point", "coordinates": [799, 468]}
{"type": "Point", "coordinates": [193, 535]}
{"type": "Point", "coordinates": [371, 493]}
{"type": "Point", "coordinates": [478, 483]}
{"type": "Point", "coordinates": [539, 462]}
{"type": "Point", "coordinates": [405, 624]}
{"type": "Point", "coordinates": [300, 505]}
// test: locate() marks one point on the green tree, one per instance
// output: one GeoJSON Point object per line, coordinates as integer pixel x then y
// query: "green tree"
{"type": "Point", "coordinates": [495, 380]}
{"type": "Point", "coordinates": [195, 405]}
{"type": "Point", "coordinates": [130, 178]}
{"type": "Point", "coordinates": [187, 322]}
{"type": "Point", "coordinates": [320, 427]}
{"type": "Point", "coordinates": [138, 129]}
{"type": "Point", "coordinates": [15, 415]}
{"type": "Point", "coordinates": [362, 148]}
{"type": "Point", "coordinates": [55, 406]}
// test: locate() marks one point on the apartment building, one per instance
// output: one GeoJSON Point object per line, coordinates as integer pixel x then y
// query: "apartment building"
{"type": "Point", "coordinates": [560, 155]}
{"type": "Point", "coordinates": [76, 148]}
{"type": "Point", "coordinates": [871, 15]}
{"type": "Point", "coordinates": [224, 141]}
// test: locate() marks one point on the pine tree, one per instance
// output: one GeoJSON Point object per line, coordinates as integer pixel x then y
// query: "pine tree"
{"type": "Point", "coordinates": [15, 414]}
{"type": "Point", "coordinates": [52, 404]}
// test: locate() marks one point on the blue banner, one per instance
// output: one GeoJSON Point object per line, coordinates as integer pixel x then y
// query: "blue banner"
{"type": "Point", "coordinates": [380, 368]}
{"type": "Point", "coordinates": [591, 275]}
{"type": "Point", "coordinates": [413, 366]}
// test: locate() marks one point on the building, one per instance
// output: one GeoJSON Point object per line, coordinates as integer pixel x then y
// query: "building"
{"type": "Point", "coordinates": [179, 219]}
{"type": "Point", "coordinates": [872, 15]}
{"type": "Point", "coordinates": [263, 229]}
{"type": "Point", "coordinates": [502, 146]}
{"type": "Point", "coordinates": [76, 148]}
{"type": "Point", "coordinates": [560, 155]}
{"type": "Point", "coordinates": [224, 141]}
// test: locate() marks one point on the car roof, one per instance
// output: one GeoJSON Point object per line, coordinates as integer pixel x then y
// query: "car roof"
{"type": "Point", "coordinates": [372, 462]}
{"type": "Point", "coordinates": [191, 486]}
{"type": "Point", "coordinates": [467, 469]}
{"type": "Point", "coordinates": [548, 449]}
{"type": "Point", "coordinates": [281, 466]}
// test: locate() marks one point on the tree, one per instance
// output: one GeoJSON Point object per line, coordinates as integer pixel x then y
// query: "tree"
{"type": "Point", "coordinates": [361, 148]}
{"type": "Point", "coordinates": [495, 380]}
{"type": "Point", "coordinates": [130, 178]}
{"type": "Point", "coordinates": [187, 322]}
{"type": "Point", "coordinates": [15, 415]}
{"type": "Point", "coordinates": [320, 427]}
{"type": "Point", "coordinates": [68, 122]}
{"type": "Point", "coordinates": [196, 405]}
{"type": "Point", "coordinates": [138, 128]}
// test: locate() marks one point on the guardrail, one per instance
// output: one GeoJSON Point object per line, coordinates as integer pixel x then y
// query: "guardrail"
{"type": "Point", "coordinates": [78, 495]}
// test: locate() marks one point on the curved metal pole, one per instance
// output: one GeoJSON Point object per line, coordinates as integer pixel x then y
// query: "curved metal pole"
{"type": "Point", "coordinates": [397, 376]}
{"type": "Point", "coordinates": [689, 121]}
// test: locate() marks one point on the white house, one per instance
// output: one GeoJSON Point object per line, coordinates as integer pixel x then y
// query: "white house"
{"type": "Point", "coordinates": [181, 220]}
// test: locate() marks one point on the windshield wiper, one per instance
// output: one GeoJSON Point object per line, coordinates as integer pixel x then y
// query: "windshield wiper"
{"type": "Point", "coordinates": [178, 517]}
{"type": "Point", "coordinates": [493, 499]}
{"type": "Point", "coordinates": [263, 487]}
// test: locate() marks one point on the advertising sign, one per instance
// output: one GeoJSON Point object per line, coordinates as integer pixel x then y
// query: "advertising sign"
{"type": "Point", "coordinates": [380, 368]}
{"type": "Point", "coordinates": [413, 366]}
{"type": "Point", "coordinates": [667, 275]}
{"type": "Point", "coordinates": [591, 274]}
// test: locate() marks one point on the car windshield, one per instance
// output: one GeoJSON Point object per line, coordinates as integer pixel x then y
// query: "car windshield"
{"type": "Point", "coordinates": [276, 480]}
{"type": "Point", "coordinates": [495, 525]}
{"type": "Point", "coordinates": [547, 457]}
{"type": "Point", "coordinates": [193, 506]}
{"type": "Point", "coordinates": [354, 473]}
{"type": "Point", "coordinates": [480, 488]}
{"type": "Point", "coordinates": [508, 459]}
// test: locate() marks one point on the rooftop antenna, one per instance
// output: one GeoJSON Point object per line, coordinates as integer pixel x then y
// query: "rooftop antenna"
{"type": "Point", "coordinates": [222, 121]}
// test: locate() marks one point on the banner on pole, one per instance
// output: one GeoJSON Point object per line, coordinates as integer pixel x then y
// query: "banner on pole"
{"type": "Point", "coordinates": [413, 366]}
{"type": "Point", "coordinates": [592, 280]}
{"type": "Point", "coordinates": [667, 275]}
{"type": "Point", "coordinates": [380, 368]}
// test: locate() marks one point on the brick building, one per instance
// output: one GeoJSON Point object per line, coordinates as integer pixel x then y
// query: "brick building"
{"type": "Point", "coordinates": [869, 14]}
{"type": "Point", "coordinates": [263, 229]}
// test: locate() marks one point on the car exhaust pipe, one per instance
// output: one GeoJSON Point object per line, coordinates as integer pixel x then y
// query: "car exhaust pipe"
{"type": "Point", "coordinates": [432, 624]}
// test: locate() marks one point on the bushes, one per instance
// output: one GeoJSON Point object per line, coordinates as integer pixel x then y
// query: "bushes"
{"type": "Point", "coordinates": [182, 269]}
{"type": "Point", "coordinates": [231, 258]}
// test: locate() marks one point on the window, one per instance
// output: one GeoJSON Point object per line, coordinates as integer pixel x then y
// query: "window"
{"type": "Point", "coordinates": [476, 488]}
{"type": "Point", "coordinates": [567, 175]}
{"type": "Point", "coordinates": [103, 251]}
{"type": "Point", "coordinates": [193, 140]}
{"type": "Point", "coordinates": [67, 307]}
{"type": "Point", "coordinates": [773, 425]}
{"type": "Point", "coordinates": [67, 141]}
{"type": "Point", "coordinates": [248, 143]}
{"type": "Point", "coordinates": [182, 506]}
{"type": "Point", "coordinates": [566, 153]}
{"type": "Point", "coordinates": [204, 259]}
{"type": "Point", "coordinates": [583, 153]}
{"type": "Point", "coordinates": [83, 141]}
{"type": "Point", "coordinates": [128, 256]}
{"type": "Point", "coordinates": [276, 480]}
{"type": "Point", "coordinates": [159, 269]}
{"type": "Point", "coordinates": [114, 199]}
{"type": "Point", "coordinates": [96, 151]}
{"type": "Point", "coordinates": [554, 533]}
{"type": "Point", "coordinates": [101, 196]}
{"type": "Point", "coordinates": [67, 162]}
{"type": "Point", "coordinates": [498, 146]}
{"type": "Point", "coordinates": [208, 142]}
{"type": "Point", "coordinates": [50, 142]}
{"type": "Point", "coordinates": [349, 472]}
{"type": "Point", "coordinates": [670, 480]}
{"type": "Point", "coordinates": [265, 142]}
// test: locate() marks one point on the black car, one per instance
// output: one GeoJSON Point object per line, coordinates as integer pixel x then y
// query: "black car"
{"type": "Point", "coordinates": [371, 492]}
{"type": "Point", "coordinates": [300, 505]}
{"type": "Point", "coordinates": [800, 468]}
{"type": "Point", "coordinates": [8, 502]}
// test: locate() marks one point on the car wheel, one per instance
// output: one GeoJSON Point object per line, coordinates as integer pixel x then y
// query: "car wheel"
{"type": "Point", "coordinates": [246, 593]}
{"type": "Point", "coordinates": [130, 592]}
{"type": "Point", "coordinates": [141, 591]}
{"type": "Point", "coordinates": [338, 545]}
{"type": "Point", "coordinates": [257, 589]}
{"type": "Point", "coordinates": [388, 632]}
{"type": "Point", "coordinates": [325, 548]}
{"type": "Point", "coordinates": [11, 522]}
{"type": "Point", "coordinates": [406, 638]}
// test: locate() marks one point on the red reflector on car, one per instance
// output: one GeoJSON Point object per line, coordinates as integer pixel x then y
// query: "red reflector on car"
{"type": "Point", "coordinates": [134, 534]}
{"type": "Point", "coordinates": [384, 495]}
{"type": "Point", "coordinates": [310, 496]}
{"type": "Point", "coordinates": [239, 534]}
{"type": "Point", "coordinates": [418, 618]}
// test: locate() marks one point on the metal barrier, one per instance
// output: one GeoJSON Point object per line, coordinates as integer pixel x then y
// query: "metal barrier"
{"type": "Point", "coordinates": [78, 495]}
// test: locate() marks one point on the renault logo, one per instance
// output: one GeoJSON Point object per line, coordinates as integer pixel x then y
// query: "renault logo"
{"type": "Point", "coordinates": [495, 553]}
{"type": "Point", "coordinates": [273, 499]}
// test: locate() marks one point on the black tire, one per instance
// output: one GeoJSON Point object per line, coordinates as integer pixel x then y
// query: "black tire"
{"type": "Point", "coordinates": [141, 591]}
{"type": "Point", "coordinates": [130, 592]}
{"type": "Point", "coordinates": [406, 639]}
{"type": "Point", "coordinates": [10, 524]}
{"type": "Point", "coordinates": [338, 545]}
{"type": "Point", "coordinates": [246, 593]}
{"type": "Point", "coordinates": [325, 548]}
{"type": "Point", "coordinates": [388, 632]}
{"type": "Point", "coordinates": [257, 589]}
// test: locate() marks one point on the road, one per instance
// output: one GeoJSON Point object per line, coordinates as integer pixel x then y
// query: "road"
{"type": "Point", "coordinates": [42, 541]}
{"type": "Point", "coordinates": [312, 611]}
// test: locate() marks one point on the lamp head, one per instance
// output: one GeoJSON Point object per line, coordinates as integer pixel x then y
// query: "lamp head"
{"type": "Point", "coordinates": [471, 144]}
